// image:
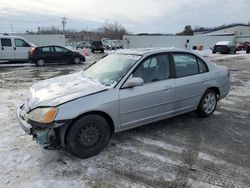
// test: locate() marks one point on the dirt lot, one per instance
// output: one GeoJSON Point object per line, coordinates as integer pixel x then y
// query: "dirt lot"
{"type": "Point", "coordinates": [184, 151]}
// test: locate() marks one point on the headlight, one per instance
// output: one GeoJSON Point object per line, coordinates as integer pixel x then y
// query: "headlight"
{"type": "Point", "coordinates": [43, 115]}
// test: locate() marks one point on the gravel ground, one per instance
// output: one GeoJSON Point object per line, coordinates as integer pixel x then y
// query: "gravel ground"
{"type": "Point", "coordinates": [185, 151]}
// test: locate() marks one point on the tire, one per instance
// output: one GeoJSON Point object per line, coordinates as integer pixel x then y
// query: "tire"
{"type": "Point", "coordinates": [40, 62]}
{"type": "Point", "coordinates": [102, 51]}
{"type": "Point", "coordinates": [77, 60]}
{"type": "Point", "coordinates": [214, 52]}
{"type": "Point", "coordinates": [207, 103]}
{"type": "Point", "coordinates": [88, 136]}
{"type": "Point", "coordinates": [247, 52]}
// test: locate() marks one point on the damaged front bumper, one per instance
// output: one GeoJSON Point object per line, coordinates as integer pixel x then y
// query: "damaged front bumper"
{"type": "Point", "coordinates": [21, 118]}
{"type": "Point", "coordinates": [47, 135]}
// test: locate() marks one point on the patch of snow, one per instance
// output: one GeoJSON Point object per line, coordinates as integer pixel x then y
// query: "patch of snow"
{"type": "Point", "coordinates": [198, 184]}
{"type": "Point", "coordinates": [150, 154]}
{"type": "Point", "coordinates": [217, 113]}
{"type": "Point", "coordinates": [17, 65]}
{"type": "Point", "coordinates": [160, 144]}
{"type": "Point", "coordinates": [204, 52]}
{"type": "Point", "coordinates": [210, 158]}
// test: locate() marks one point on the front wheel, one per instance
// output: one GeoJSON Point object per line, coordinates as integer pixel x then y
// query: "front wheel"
{"type": "Point", "coordinates": [207, 104]}
{"type": "Point", "coordinates": [88, 136]}
{"type": "Point", "coordinates": [77, 60]}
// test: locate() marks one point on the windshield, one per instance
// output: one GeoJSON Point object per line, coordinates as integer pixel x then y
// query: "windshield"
{"type": "Point", "coordinates": [111, 69]}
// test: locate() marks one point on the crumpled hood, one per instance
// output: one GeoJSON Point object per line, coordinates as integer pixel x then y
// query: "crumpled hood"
{"type": "Point", "coordinates": [54, 91]}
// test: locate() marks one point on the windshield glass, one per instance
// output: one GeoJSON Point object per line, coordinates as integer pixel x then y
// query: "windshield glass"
{"type": "Point", "coordinates": [111, 69]}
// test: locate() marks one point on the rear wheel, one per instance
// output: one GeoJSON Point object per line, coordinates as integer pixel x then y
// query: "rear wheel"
{"type": "Point", "coordinates": [207, 104]}
{"type": "Point", "coordinates": [88, 136]}
{"type": "Point", "coordinates": [40, 62]}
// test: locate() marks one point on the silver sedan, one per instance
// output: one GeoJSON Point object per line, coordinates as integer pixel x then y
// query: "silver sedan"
{"type": "Point", "coordinates": [124, 90]}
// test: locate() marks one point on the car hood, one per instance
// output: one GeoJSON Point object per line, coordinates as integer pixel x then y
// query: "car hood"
{"type": "Point", "coordinates": [58, 90]}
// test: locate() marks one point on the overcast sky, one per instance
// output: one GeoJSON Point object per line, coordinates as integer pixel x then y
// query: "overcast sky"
{"type": "Point", "coordinates": [161, 16]}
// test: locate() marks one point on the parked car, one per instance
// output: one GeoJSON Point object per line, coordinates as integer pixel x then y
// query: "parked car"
{"type": "Point", "coordinates": [97, 46]}
{"type": "Point", "coordinates": [13, 48]}
{"type": "Point", "coordinates": [123, 90]}
{"type": "Point", "coordinates": [225, 47]}
{"type": "Point", "coordinates": [241, 46]}
{"type": "Point", "coordinates": [44, 55]}
{"type": "Point", "coordinates": [83, 45]}
{"type": "Point", "coordinates": [118, 44]}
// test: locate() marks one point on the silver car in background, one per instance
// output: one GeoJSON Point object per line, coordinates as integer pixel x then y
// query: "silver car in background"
{"type": "Point", "coordinates": [124, 90]}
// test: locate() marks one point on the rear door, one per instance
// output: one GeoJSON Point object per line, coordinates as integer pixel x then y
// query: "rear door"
{"type": "Point", "coordinates": [190, 82]}
{"type": "Point", "coordinates": [7, 49]}
{"type": "Point", "coordinates": [47, 53]}
{"type": "Point", "coordinates": [62, 55]}
{"type": "Point", "coordinates": [21, 49]}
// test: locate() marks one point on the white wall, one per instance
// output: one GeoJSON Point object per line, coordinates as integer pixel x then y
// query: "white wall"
{"type": "Point", "coordinates": [43, 40]}
{"type": "Point", "coordinates": [174, 41]}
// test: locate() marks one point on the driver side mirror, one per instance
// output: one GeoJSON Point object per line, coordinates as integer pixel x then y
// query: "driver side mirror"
{"type": "Point", "coordinates": [133, 82]}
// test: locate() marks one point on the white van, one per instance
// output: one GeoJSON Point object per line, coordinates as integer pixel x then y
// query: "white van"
{"type": "Point", "coordinates": [13, 48]}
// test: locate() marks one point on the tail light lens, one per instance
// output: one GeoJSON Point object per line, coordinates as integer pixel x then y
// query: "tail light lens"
{"type": "Point", "coordinates": [32, 51]}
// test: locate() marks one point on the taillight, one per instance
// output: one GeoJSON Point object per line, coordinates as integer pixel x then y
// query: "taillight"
{"type": "Point", "coordinates": [32, 51]}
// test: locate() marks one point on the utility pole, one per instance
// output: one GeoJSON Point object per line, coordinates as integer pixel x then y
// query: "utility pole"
{"type": "Point", "coordinates": [64, 22]}
{"type": "Point", "coordinates": [12, 30]}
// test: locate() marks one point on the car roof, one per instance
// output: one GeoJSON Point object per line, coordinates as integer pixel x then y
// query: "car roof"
{"type": "Point", "coordinates": [149, 51]}
{"type": "Point", "coordinates": [50, 46]}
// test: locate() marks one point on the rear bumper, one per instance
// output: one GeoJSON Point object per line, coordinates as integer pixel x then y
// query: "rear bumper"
{"type": "Point", "coordinates": [225, 88]}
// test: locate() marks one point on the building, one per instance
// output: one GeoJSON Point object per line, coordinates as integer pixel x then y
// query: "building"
{"type": "Point", "coordinates": [241, 32]}
{"type": "Point", "coordinates": [43, 40]}
{"type": "Point", "coordinates": [202, 41]}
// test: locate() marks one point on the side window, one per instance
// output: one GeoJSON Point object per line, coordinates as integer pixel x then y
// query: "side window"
{"type": "Point", "coordinates": [154, 68]}
{"type": "Point", "coordinates": [46, 49]}
{"type": "Point", "coordinates": [6, 42]}
{"type": "Point", "coordinates": [21, 43]}
{"type": "Point", "coordinates": [202, 66]}
{"type": "Point", "coordinates": [59, 49]}
{"type": "Point", "coordinates": [185, 64]}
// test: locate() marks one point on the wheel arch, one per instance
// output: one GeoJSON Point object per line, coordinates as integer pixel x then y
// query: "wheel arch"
{"type": "Point", "coordinates": [216, 89]}
{"type": "Point", "coordinates": [64, 130]}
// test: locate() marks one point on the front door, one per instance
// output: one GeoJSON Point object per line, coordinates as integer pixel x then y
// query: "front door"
{"type": "Point", "coordinates": [7, 49]}
{"type": "Point", "coordinates": [21, 49]}
{"type": "Point", "coordinates": [152, 101]}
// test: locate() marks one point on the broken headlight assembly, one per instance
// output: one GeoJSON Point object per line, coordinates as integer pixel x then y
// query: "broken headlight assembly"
{"type": "Point", "coordinates": [43, 115]}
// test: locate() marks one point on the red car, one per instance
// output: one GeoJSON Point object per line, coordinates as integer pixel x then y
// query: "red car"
{"type": "Point", "coordinates": [242, 46]}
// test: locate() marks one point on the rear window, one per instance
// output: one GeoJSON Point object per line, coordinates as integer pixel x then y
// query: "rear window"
{"type": "Point", "coordinates": [185, 65]}
{"type": "Point", "coordinates": [6, 42]}
{"type": "Point", "coordinates": [188, 64]}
